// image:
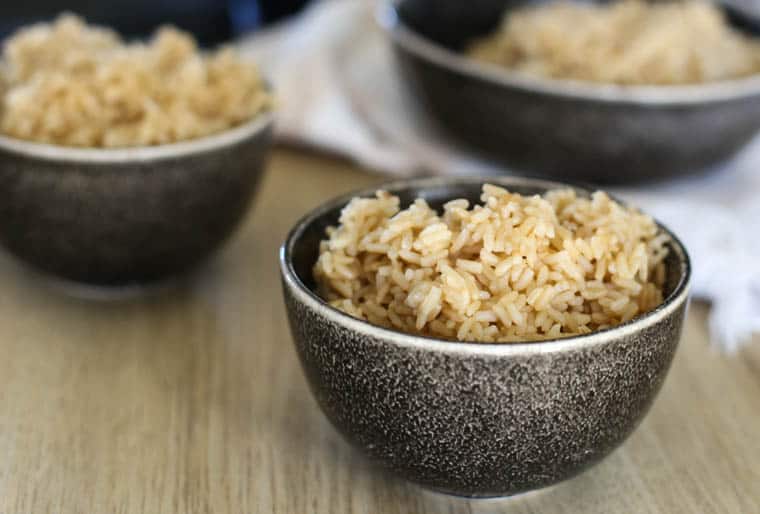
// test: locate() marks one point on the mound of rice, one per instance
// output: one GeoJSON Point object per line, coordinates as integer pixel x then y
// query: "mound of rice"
{"type": "Point", "coordinates": [516, 268]}
{"type": "Point", "coordinates": [628, 42]}
{"type": "Point", "coordinates": [73, 85]}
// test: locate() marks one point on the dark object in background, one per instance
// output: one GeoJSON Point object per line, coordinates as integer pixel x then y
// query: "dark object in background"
{"type": "Point", "coordinates": [117, 217]}
{"type": "Point", "coordinates": [249, 14]}
{"type": "Point", "coordinates": [476, 419]}
{"type": "Point", "coordinates": [211, 21]}
{"type": "Point", "coordinates": [570, 131]}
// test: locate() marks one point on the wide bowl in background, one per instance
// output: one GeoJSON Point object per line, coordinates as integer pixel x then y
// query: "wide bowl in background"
{"type": "Point", "coordinates": [476, 419]}
{"type": "Point", "coordinates": [124, 216]}
{"type": "Point", "coordinates": [563, 129]}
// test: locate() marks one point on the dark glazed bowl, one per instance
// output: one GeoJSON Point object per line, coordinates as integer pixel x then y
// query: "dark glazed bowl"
{"type": "Point", "coordinates": [476, 419]}
{"type": "Point", "coordinates": [124, 216]}
{"type": "Point", "coordinates": [567, 130]}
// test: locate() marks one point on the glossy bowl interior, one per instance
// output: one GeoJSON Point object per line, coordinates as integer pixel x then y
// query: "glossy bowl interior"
{"type": "Point", "coordinates": [563, 129]}
{"type": "Point", "coordinates": [115, 217]}
{"type": "Point", "coordinates": [469, 418]}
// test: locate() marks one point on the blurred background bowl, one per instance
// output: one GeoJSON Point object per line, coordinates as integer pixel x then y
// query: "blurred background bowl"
{"type": "Point", "coordinates": [476, 419]}
{"type": "Point", "coordinates": [125, 216]}
{"type": "Point", "coordinates": [567, 130]}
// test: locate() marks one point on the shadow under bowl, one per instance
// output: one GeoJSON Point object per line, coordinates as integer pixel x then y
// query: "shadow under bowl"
{"type": "Point", "coordinates": [567, 130]}
{"type": "Point", "coordinates": [475, 419]}
{"type": "Point", "coordinates": [113, 217]}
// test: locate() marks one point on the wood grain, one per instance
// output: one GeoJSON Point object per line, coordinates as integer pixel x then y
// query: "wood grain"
{"type": "Point", "coordinates": [191, 399]}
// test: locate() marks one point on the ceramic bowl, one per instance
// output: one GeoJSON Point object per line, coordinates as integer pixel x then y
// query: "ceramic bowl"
{"type": "Point", "coordinates": [567, 130]}
{"type": "Point", "coordinates": [467, 418]}
{"type": "Point", "coordinates": [124, 216]}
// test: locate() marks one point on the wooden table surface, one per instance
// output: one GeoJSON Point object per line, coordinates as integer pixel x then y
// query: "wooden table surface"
{"type": "Point", "coordinates": [191, 400]}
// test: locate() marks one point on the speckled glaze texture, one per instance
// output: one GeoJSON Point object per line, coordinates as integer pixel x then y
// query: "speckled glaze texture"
{"type": "Point", "coordinates": [567, 131]}
{"type": "Point", "coordinates": [126, 216]}
{"type": "Point", "coordinates": [476, 419]}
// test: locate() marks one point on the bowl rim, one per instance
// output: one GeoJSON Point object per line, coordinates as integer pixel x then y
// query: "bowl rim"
{"type": "Point", "coordinates": [671, 303]}
{"type": "Point", "coordinates": [139, 154]}
{"type": "Point", "coordinates": [386, 15]}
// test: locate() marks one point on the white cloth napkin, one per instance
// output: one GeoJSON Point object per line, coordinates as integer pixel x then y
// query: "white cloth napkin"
{"type": "Point", "coordinates": [339, 91]}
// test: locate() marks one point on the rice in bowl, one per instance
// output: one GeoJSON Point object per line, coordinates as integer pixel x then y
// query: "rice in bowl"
{"type": "Point", "coordinates": [70, 84]}
{"type": "Point", "coordinates": [629, 42]}
{"type": "Point", "coordinates": [516, 268]}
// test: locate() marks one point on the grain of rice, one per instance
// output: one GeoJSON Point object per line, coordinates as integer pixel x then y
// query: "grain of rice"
{"type": "Point", "coordinates": [513, 269]}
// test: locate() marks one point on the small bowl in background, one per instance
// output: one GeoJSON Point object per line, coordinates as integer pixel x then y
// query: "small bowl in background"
{"type": "Point", "coordinates": [568, 130]}
{"type": "Point", "coordinates": [115, 217]}
{"type": "Point", "coordinates": [476, 419]}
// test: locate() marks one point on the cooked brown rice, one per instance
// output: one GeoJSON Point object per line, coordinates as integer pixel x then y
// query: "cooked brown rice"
{"type": "Point", "coordinates": [628, 42]}
{"type": "Point", "coordinates": [515, 268]}
{"type": "Point", "coordinates": [70, 84]}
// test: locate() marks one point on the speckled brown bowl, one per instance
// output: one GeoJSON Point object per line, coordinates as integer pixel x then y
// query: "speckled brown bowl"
{"type": "Point", "coordinates": [476, 419]}
{"type": "Point", "coordinates": [567, 130]}
{"type": "Point", "coordinates": [124, 216]}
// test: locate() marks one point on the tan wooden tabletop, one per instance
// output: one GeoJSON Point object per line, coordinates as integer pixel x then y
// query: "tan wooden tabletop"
{"type": "Point", "coordinates": [192, 401]}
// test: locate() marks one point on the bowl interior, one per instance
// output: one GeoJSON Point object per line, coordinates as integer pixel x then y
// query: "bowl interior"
{"type": "Point", "coordinates": [302, 247]}
{"type": "Point", "coordinates": [453, 24]}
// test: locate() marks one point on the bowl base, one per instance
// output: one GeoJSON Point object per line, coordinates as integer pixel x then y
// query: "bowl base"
{"type": "Point", "coordinates": [93, 291]}
{"type": "Point", "coordinates": [492, 497]}
{"type": "Point", "coordinates": [109, 293]}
